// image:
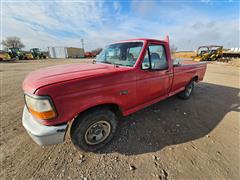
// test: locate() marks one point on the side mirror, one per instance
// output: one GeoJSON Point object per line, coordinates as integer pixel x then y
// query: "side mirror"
{"type": "Point", "coordinates": [145, 66]}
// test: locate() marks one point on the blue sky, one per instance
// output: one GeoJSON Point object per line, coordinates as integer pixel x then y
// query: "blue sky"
{"type": "Point", "coordinates": [64, 23]}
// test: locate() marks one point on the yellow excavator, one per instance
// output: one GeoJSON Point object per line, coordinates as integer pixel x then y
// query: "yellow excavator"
{"type": "Point", "coordinates": [28, 55]}
{"type": "Point", "coordinates": [209, 53]}
{"type": "Point", "coordinates": [4, 56]}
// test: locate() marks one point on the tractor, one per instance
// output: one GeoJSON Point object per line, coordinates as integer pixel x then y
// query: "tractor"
{"type": "Point", "coordinates": [209, 53]}
{"type": "Point", "coordinates": [16, 53]}
{"type": "Point", "coordinates": [37, 54]}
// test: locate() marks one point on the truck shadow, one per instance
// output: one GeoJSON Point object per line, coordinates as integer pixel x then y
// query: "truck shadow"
{"type": "Point", "coordinates": [175, 121]}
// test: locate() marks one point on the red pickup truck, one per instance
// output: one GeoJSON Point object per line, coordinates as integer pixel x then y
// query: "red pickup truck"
{"type": "Point", "coordinates": [126, 77]}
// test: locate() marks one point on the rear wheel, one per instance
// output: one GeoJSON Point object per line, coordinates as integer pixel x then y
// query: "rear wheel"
{"type": "Point", "coordinates": [93, 130]}
{"type": "Point", "coordinates": [187, 91]}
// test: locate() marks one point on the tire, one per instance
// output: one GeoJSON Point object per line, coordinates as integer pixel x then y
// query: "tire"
{"type": "Point", "coordinates": [93, 130]}
{"type": "Point", "coordinates": [186, 94]}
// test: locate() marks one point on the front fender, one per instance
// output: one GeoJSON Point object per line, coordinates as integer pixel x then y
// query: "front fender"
{"type": "Point", "coordinates": [97, 101]}
{"type": "Point", "coordinates": [70, 106]}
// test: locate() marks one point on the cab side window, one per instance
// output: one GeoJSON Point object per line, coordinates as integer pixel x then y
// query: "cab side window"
{"type": "Point", "coordinates": [155, 58]}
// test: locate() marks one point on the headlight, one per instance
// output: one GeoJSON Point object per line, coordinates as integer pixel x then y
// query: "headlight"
{"type": "Point", "coordinates": [40, 106]}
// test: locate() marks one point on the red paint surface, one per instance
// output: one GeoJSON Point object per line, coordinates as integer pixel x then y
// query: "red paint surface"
{"type": "Point", "coordinates": [77, 87]}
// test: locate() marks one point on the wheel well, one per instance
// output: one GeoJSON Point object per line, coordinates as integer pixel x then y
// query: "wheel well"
{"type": "Point", "coordinates": [195, 78]}
{"type": "Point", "coordinates": [113, 107]}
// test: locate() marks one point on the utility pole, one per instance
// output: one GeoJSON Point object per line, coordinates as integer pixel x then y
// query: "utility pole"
{"type": "Point", "coordinates": [82, 41]}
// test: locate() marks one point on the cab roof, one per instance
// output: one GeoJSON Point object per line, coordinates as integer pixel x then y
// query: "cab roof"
{"type": "Point", "coordinates": [142, 39]}
{"type": "Point", "coordinates": [146, 39]}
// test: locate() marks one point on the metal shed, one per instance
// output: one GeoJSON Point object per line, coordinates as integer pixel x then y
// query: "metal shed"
{"type": "Point", "coordinates": [75, 52]}
{"type": "Point", "coordinates": [65, 52]}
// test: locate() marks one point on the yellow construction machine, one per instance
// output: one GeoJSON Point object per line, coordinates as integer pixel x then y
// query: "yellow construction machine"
{"type": "Point", "coordinates": [4, 56]}
{"type": "Point", "coordinates": [209, 53]}
{"type": "Point", "coordinates": [28, 55]}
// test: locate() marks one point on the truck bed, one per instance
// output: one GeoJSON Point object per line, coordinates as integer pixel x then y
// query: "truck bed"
{"type": "Point", "coordinates": [186, 61]}
{"type": "Point", "coordinates": [185, 71]}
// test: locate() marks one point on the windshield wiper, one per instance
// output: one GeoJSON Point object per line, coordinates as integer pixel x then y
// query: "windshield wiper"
{"type": "Point", "coordinates": [115, 64]}
{"type": "Point", "coordinates": [118, 64]}
{"type": "Point", "coordinates": [107, 62]}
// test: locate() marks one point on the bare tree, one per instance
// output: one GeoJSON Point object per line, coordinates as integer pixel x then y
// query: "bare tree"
{"type": "Point", "coordinates": [13, 42]}
{"type": "Point", "coordinates": [173, 48]}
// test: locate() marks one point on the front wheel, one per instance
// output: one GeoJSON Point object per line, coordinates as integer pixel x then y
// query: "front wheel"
{"type": "Point", "coordinates": [93, 130]}
{"type": "Point", "coordinates": [187, 91]}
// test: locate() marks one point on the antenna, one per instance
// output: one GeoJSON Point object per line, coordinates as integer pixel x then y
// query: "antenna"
{"type": "Point", "coordinates": [167, 38]}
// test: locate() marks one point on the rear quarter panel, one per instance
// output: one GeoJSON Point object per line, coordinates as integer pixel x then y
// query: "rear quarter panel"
{"type": "Point", "coordinates": [184, 73]}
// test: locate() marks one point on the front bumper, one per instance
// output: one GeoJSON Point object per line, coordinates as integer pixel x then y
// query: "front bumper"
{"type": "Point", "coordinates": [41, 134]}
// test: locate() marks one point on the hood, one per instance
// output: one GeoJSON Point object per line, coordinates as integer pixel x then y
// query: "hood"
{"type": "Point", "coordinates": [61, 73]}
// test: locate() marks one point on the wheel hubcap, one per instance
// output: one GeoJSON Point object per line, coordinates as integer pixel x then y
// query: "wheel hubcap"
{"type": "Point", "coordinates": [97, 132]}
{"type": "Point", "coordinates": [189, 90]}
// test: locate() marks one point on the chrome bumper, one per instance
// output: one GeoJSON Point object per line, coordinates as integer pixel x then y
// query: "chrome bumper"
{"type": "Point", "coordinates": [41, 134]}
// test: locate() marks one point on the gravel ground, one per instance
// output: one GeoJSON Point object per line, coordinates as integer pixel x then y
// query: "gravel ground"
{"type": "Point", "coordinates": [173, 139]}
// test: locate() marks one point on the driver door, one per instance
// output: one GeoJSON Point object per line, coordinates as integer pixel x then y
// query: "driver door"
{"type": "Point", "coordinates": [154, 78]}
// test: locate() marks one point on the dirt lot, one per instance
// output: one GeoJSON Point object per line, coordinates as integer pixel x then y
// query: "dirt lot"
{"type": "Point", "coordinates": [173, 139]}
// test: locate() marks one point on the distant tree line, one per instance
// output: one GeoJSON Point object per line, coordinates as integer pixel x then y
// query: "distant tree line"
{"type": "Point", "coordinates": [15, 42]}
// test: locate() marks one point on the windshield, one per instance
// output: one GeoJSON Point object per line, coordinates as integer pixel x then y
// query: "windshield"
{"type": "Point", "coordinates": [36, 50]}
{"type": "Point", "coordinates": [203, 50]}
{"type": "Point", "coordinates": [123, 54]}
